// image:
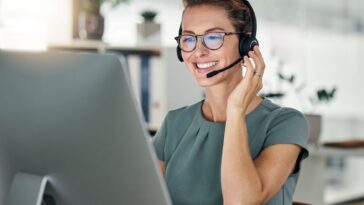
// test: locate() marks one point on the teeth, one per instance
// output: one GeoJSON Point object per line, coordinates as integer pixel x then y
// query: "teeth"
{"type": "Point", "coordinates": [206, 65]}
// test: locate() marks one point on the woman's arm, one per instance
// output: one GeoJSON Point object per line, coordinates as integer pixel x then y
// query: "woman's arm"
{"type": "Point", "coordinates": [243, 180]}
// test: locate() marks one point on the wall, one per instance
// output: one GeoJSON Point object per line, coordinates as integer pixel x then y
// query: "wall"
{"type": "Point", "coordinates": [120, 22]}
{"type": "Point", "coordinates": [320, 58]}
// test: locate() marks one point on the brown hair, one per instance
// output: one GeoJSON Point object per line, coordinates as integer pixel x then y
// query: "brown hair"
{"type": "Point", "coordinates": [237, 11]}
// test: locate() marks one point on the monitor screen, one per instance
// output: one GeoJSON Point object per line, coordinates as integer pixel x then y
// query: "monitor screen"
{"type": "Point", "coordinates": [70, 127]}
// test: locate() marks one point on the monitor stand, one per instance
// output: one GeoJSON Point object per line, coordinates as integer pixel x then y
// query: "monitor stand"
{"type": "Point", "coordinates": [26, 189]}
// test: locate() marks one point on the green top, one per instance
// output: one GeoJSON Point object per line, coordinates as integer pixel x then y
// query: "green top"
{"type": "Point", "coordinates": [191, 148]}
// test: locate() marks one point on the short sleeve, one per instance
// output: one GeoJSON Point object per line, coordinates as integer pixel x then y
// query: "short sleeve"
{"type": "Point", "coordinates": [159, 139]}
{"type": "Point", "coordinates": [289, 126]}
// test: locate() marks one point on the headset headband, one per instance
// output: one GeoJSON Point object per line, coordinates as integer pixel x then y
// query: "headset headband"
{"type": "Point", "coordinates": [252, 16]}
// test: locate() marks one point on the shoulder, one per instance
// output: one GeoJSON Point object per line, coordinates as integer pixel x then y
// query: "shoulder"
{"type": "Point", "coordinates": [286, 126]}
{"type": "Point", "coordinates": [276, 113]}
{"type": "Point", "coordinates": [174, 125]}
{"type": "Point", "coordinates": [183, 114]}
{"type": "Point", "coordinates": [283, 122]}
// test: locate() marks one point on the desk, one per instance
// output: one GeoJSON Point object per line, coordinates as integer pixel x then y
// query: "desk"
{"type": "Point", "coordinates": [312, 186]}
{"type": "Point", "coordinates": [144, 52]}
{"type": "Point", "coordinates": [344, 152]}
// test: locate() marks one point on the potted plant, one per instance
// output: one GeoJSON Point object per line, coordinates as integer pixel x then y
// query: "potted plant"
{"type": "Point", "coordinates": [91, 22]}
{"type": "Point", "coordinates": [319, 97]}
{"type": "Point", "coordinates": [148, 15]}
{"type": "Point", "coordinates": [148, 31]}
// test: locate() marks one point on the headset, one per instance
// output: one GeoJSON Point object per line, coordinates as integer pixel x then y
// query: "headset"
{"type": "Point", "coordinates": [246, 42]}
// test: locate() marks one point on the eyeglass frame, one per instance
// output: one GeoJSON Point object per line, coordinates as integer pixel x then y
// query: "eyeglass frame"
{"type": "Point", "coordinates": [177, 38]}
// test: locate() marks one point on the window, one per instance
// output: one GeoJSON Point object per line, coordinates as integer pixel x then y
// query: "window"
{"type": "Point", "coordinates": [23, 24]}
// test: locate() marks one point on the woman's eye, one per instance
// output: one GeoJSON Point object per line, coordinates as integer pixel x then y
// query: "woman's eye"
{"type": "Point", "coordinates": [188, 39]}
{"type": "Point", "coordinates": [214, 37]}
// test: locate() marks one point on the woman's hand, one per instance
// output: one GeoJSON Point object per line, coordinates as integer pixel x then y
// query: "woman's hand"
{"type": "Point", "coordinates": [251, 83]}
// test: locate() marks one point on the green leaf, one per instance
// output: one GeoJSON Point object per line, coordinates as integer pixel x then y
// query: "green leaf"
{"type": "Point", "coordinates": [332, 93]}
{"type": "Point", "coordinates": [148, 15]}
{"type": "Point", "coordinates": [281, 76]}
{"type": "Point", "coordinates": [326, 95]}
{"type": "Point", "coordinates": [291, 79]}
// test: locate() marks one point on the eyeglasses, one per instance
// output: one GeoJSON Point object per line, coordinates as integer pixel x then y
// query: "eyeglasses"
{"type": "Point", "coordinates": [212, 41]}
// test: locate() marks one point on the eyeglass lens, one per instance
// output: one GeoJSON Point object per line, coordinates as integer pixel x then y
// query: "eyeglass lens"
{"type": "Point", "coordinates": [211, 41]}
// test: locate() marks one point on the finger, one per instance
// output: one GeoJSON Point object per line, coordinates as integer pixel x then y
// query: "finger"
{"type": "Point", "coordinates": [256, 72]}
{"type": "Point", "coordinates": [259, 65]}
{"type": "Point", "coordinates": [260, 56]}
{"type": "Point", "coordinates": [257, 50]}
{"type": "Point", "coordinates": [258, 77]}
{"type": "Point", "coordinates": [259, 87]}
{"type": "Point", "coordinates": [255, 58]}
{"type": "Point", "coordinates": [249, 68]}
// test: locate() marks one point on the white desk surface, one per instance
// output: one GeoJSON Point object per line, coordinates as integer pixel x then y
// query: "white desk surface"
{"type": "Point", "coordinates": [328, 151]}
{"type": "Point", "coordinates": [352, 186]}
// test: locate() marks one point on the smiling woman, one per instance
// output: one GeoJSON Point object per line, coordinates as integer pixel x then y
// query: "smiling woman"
{"type": "Point", "coordinates": [233, 147]}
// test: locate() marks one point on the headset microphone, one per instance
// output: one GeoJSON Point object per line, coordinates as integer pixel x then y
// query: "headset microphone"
{"type": "Point", "coordinates": [215, 72]}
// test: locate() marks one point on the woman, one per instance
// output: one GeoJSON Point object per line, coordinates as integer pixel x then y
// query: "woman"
{"type": "Point", "coordinates": [233, 147]}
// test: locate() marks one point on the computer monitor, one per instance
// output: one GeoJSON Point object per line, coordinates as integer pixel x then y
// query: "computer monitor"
{"type": "Point", "coordinates": [70, 127]}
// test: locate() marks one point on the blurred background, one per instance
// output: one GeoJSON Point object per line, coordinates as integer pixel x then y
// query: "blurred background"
{"type": "Point", "coordinates": [313, 51]}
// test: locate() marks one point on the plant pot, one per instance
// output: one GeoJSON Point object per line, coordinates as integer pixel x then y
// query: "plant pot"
{"type": "Point", "coordinates": [91, 26]}
{"type": "Point", "coordinates": [315, 128]}
{"type": "Point", "coordinates": [149, 33]}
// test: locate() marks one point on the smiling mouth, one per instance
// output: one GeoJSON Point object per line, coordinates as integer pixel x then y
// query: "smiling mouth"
{"type": "Point", "coordinates": [205, 66]}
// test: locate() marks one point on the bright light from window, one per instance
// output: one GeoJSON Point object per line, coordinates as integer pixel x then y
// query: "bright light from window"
{"type": "Point", "coordinates": [24, 24]}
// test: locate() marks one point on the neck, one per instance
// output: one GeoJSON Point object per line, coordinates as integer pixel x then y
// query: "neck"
{"type": "Point", "coordinates": [215, 104]}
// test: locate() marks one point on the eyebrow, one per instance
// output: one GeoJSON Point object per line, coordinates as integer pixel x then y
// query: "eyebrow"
{"type": "Point", "coordinates": [207, 31]}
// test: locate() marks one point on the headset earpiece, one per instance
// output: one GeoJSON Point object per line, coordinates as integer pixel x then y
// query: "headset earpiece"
{"type": "Point", "coordinates": [179, 51]}
{"type": "Point", "coordinates": [179, 54]}
{"type": "Point", "coordinates": [246, 44]}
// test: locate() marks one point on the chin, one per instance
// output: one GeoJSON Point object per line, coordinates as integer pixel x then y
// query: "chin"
{"type": "Point", "coordinates": [207, 82]}
{"type": "Point", "coordinates": [204, 83]}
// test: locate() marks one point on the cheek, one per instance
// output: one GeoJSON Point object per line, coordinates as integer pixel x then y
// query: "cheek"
{"type": "Point", "coordinates": [234, 50]}
{"type": "Point", "coordinates": [232, 47]}
{"type": "Point", "coordinates": [186, 56]}
{"type": "Point", "coordinates": [190, 67]}
{"type": "Point", "coordinates": [187, 60]}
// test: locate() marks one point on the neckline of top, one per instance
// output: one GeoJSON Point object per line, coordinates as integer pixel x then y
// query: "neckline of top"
{"type": "Point", "coordinates": [205, 121]}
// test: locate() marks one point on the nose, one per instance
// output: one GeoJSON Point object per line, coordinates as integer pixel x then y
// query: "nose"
{"type": "Point", "coordinates": [200, 49]}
